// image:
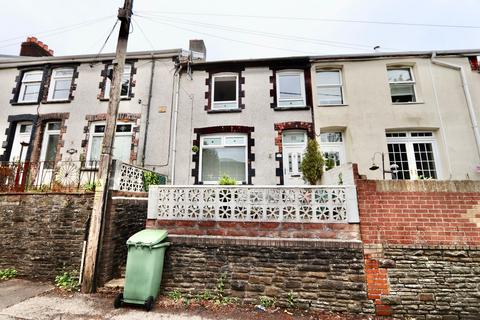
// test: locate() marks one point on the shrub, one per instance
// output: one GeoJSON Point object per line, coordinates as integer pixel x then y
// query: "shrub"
{"type": "Point", "coordinates": [9, 273]}
{"type": "Point", "coordinates": [312, 163]}
{"type": "Point", "coordinates": [67, 281]}
{"type": "Point", "coordinates": [150, 178]}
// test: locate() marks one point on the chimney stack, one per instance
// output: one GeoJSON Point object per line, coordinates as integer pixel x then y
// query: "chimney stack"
{"type": "Point", "coordinates": [198, 49]}
{"type": "Point", "coordinates": [35, 48]}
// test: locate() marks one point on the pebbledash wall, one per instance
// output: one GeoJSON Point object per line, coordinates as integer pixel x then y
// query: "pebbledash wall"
{"type": "Point", "coordinates": [422, 247]}
{"type": "Point", "coordinates": [41, 234]}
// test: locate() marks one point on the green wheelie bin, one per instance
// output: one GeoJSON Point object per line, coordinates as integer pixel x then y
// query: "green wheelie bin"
{"type": "Point", "coordinates": [146, 252]}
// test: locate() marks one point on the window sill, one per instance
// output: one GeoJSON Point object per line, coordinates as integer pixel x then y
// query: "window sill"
{"type": "Point", "coordinates": [332, 105]}
{"type": "Point", "coordinates": [407, 103]}
{"type": "Point", "coordinates": [56, 101]}
{"type": "Point", "coordinates": [291, 108]}
{"type": "Point", "coordinates": [121, 99]}
{"type": "Point", "coordinates": [24, 103]}
{"type": "Point", "coordinates": [225, 111]}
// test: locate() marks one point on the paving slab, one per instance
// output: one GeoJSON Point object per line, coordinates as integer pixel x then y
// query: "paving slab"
{"type": "Point", "coordinates": [17, 290]}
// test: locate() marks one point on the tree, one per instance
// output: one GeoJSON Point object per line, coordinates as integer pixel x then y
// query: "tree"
{"type": "Point", "coordinates": [312, 163]}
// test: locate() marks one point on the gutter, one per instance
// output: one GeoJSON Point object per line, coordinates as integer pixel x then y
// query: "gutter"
{"type": "Point", "coordinates": [175, 117]}
{"type": "Point", "coordinates": [468, 97]}
{"type": "Point", "coordinates": [147, 113]}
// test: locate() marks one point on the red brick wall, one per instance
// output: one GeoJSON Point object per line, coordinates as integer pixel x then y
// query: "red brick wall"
{"type": "Point", "coordinates": [428, 217]}
{"type": "Point", "coordinates": [339, 231]}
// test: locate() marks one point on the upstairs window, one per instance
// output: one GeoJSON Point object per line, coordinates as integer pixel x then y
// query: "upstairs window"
{"type": "Point", "coordinates": [60, 84]}
{"type": "Point", "coordinates": [125, 81]}
{"type": "Point", "coordinates": [30, 87]}
{"type": "Point", "coordinates": [223, 155]}
{"type": "Point", "coordinates": [121, 147]}
{"type": "Point", "coordinates": [290, 89]}
{"type": "Point", "coordinates": [329, 87]}
{"type": "Point", "coordinates": [225, 92]}
{"type": "Point", "coordinates": [402, 85]}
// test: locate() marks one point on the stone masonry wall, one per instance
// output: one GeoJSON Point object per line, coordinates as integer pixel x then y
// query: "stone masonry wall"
{"type": "Point", "coordinates": [126, 215]}
{"type": "Point", "coordinates": [40, 234]}
{"type": "Point", "coordinates": [323, 275]}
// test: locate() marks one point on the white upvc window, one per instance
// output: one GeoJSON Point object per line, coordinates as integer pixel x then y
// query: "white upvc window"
{"type": "Point", "coordinates": [402, 84]}
{"type": "Point", "coordinates": [329, 87]}
{"type": "Point", "coordinates": [290, 89]}
{"type": "Point", "coordinates": [122, 143]}
{"type": "Point", "coordinates": [413, 155]}
{"type": "Point", "coordinates": [30, 87]}
{"type": "Point", "coordinates": [225, 91]}
{"type": "Point", "coordinates": [125, 82]}
{"type": "Point", "coordinates": [223, 154]}
{"type": "Point", "coordinates": [333, 148]}
{"type": "Point", "coordinates": [60, 84]}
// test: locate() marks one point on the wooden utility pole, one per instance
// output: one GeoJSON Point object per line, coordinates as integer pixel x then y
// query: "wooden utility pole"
{"type": "Point", "coordinates": [101, 190]}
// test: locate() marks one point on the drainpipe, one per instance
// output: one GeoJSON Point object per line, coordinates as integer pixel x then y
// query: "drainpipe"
{"type": "Point", "coordinates": [147, 115]}
{"type": "Point", "coordinates": [175, 116]}
{"type": "Point", "coordinates": [468, 97]}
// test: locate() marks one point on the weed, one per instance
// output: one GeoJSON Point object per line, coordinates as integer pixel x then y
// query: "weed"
{"type": "Point", "coordinates": [67, 281]}
{"type": "Point", "coordinates": [291, 301]}
{"type": "Point", "coordinates": [175, 295]}
{"type": "Point", "coordinates": [267, 302]}
{"type": "Point", "coordinates": [8, 273]}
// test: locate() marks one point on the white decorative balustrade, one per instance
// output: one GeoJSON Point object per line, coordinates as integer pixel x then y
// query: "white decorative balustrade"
{"type": "Point", "coordinates": [127, 177]}
{"type": "Point", "coordinates": [307, 204]}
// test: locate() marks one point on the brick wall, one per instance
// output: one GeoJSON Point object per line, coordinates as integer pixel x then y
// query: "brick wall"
{"type": "Point", "coordinates": [40, 234]}
{"type": "Point", "coordinates": [125, 216]}
{"type": "Point", "coordinates": [322, 275]}
{"type": "Point", "coordinates": [339, 231]}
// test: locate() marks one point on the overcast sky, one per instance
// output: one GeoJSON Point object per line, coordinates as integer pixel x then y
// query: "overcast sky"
{"type": "Point", "coordinates": [287, 27]}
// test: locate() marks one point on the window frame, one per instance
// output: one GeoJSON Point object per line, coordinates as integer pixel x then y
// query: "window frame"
{"type": "Point", "coordinates": [53, 80]}
{"type": "Point", "coordinates": [413, 82]}
{"type": "Point", "coordinates": [334, 146]}
{"type": "Point", "coordinates": [409, 141]}
{"type": "Point", "coordinates": [89, 162]}
{"type": "Point", "coordinates": [23, 86]}
{"type": "Point", "coordinates": [237, 91]}
{"type": "Point", "coordinates": [340, 85]}
{"type": "Point", "coordinates": [286, 72]}
{"type": "Point", "coordinates": [108, 82]}
{"type": "Point", "coordinates": [223, 137]}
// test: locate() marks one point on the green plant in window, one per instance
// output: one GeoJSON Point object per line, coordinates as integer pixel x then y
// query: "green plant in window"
{"type": "Point", "coordinates": [150, 178]}
{"type": "Point", "coordinates": [329, 164]}
{"type": "Point", "coordinates": [312, 163]}
{"type": "Point", "coordinates": [226, 180]}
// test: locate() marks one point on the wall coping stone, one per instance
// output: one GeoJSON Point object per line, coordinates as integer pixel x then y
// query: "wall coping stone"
{"type": "Point", "coordinates": [265, 242]}
{"type": "Point", "coordinates": [427, 186]}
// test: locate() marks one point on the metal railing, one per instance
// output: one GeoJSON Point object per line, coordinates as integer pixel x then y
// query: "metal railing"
{"type": "Point", "coordinates": [307, 204]}
{"type": "Point", "coordinates": [48, 176]}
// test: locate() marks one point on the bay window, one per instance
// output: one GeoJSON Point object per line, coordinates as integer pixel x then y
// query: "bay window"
{"type": "Point", "coordinates": [402, 85]}
{"type": "Point", "coordinates": [30, 87]}
{"type": "Point", "coordinates": [60, 84]}
{"type": "Point", "coordinates": [122, 143]}
{"type": "Point", "coordinates": [225, 92]}
{"type": "Point", "coordinates": [223, 155]}
{"type": "Point", "coordinates": [291, 89]}
{"type": "Point", "coordinates": [412, 155]}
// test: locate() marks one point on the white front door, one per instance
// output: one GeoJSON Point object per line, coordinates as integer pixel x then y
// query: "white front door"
{"type": "Point", "coordinates": [48, 152]}
{"type": "Point", "coordinates": [293, 148]}
{"type": "Point", "coordinates": [22, 135]}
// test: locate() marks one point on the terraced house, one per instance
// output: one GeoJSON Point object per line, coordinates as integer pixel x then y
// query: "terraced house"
{"type": "Point", "coordinates": [411, 115]}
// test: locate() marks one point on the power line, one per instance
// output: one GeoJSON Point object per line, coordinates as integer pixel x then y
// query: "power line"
{"type": "Point", "coordinates": [108, 37]}
{"type": "Point", "coordinates": [144, 34]}
{"type": "Point", "coordinates": [224, 38]}
{"type": "Point", "coordinates": [317, 19]}
{"type": "Point", "coordinates": [329, 43]}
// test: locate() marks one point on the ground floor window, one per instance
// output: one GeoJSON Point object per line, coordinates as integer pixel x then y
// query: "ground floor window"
{"type": "Point", "coordinates": [332, 147]}
{"type": "Point", "coordinates": [122, 145]}
{"type": "Point", "coordinates": [412, 155]}
{"type": "Point", "coordinates": [223, 154]}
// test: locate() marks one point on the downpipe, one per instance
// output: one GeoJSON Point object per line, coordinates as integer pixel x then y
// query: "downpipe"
{"type": "Point", "coordinates": [175, 119]}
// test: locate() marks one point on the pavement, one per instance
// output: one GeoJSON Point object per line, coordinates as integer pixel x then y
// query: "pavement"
{"type": "Point", "coordinates": [24, 300]}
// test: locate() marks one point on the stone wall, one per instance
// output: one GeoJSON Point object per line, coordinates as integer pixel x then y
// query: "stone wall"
{"type": "Point", "coordinates": [332, 231]}
{"type": "Point", "coordinates": [125, 216]}
{"type": "Point", "coordinates": [40, 234]}
{"type": "Point", "coordinates": [322, 275]}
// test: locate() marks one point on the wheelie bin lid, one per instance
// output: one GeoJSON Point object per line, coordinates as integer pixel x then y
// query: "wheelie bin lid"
{"type": "Point", "coordinates": [147, 237]}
